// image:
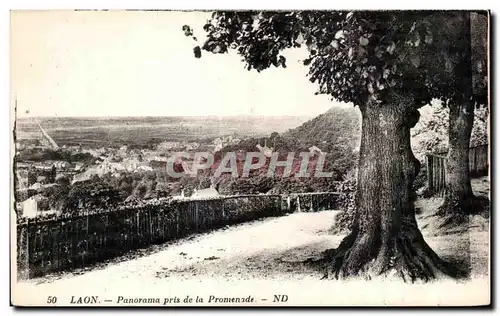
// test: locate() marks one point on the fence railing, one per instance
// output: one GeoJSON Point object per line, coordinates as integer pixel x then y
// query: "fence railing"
{"type": "Point", "coordinates": [70, 242]}
{"type": "Point", "coordinates": [436, 168]}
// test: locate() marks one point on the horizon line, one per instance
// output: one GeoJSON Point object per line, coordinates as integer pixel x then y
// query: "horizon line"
{"type": "Point", "coordinates": [157, 116]}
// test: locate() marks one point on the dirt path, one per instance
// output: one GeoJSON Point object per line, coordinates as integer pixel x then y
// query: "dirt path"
{"type": "Point", "coordinates": [261, 258]}
{"type": "Point", "coordinates": [269, 248]}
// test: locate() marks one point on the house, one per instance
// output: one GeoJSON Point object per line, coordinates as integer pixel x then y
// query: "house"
{"type": "Point", "coordinates": [168, 145]}
{"type": "Point", "coordinates": [42, 179]}
{"type": "Point", "coordinates": [22, 178]}
{"type": "Point", "coordinates": [204, 193]}
{"type": "Point", "coordinates": [217, 141]}
{"type": "Point", "coordinates": [192, 146]}
{"type": "Point", "coordinates": [268, 152]}
{"type": "Point", "coordinates": [217, 148]}
{"type": "Point", "coordinates": [62, 165]}
{"type": "Point", "coordinates": [132, 200]}
{"type": "Point", "coordinates": [36, 186]}
{"type": "Point", "coordinates": [32, 206]}
{"type": "Point", "coordinates": [179, 197]}
{"type": "Point", "coordinates": [144, 168]}
{"type": "Point", "coordinates": [315, 150]}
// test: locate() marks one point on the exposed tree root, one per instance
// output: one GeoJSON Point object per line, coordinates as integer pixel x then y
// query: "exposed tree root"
{"type": "Point", "coordinates": [469, 206]}
{"type": "Point", "coordinates": [406, 255]}
{"type": "Point", "coordinates": [457, 212]}
{"type": "Point", "coordinates": [453, 220]}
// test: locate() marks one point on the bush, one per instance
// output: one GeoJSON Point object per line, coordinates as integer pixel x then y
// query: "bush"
{"type": "Point", "coordinates": [430, 135]}
{"type": "Point", "coordinates": [347, 202]}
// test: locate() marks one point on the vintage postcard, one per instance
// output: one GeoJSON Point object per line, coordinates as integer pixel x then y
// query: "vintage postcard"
{"type": "Point", "coordinates": [250, 158]}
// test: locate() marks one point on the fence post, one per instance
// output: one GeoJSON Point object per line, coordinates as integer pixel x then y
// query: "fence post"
{"type": "Point", "coordinates": [445, 165]}
{"type": "Point", "coordinates": [223, 211]}
{"type": "Point", "coordinates": [137, 218]}
{"type": "Point", "coordinates": [435, 175]}
{"type": "Point", "coordinates": [196, 215]}
{"type": "Point", "coordinates": [429, 173]}
{"type": "Point", "coordinates": [106, 225]}
{"type": "Point", "coordinates": [440, 177]}
{"type": "Point", "coordinates": [24, 253]}
{"type": "Point", "coordinates": [88, 239]}
{"type": "Point", "coordinates": [150, 226]}
{"type": "Point", "coordinates": [177, 219]}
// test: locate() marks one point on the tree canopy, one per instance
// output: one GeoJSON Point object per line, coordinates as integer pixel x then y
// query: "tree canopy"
{"type": "Point", "coordinates": [356, 56]}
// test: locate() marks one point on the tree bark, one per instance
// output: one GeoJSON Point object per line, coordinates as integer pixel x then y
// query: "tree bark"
{"type": "Point", "coordinates": [385, 238]}
{"type": "Point", "coordinates": [458, 192]}
{"type": "Point", "coordinates": [459, 200]}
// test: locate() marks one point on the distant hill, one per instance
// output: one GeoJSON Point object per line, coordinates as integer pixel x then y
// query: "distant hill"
{"type": "Point", "coordinates": [336, 127]}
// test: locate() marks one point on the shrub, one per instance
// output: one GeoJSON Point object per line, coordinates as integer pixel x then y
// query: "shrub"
{"type": "Point", "coordinates": [347, 202]}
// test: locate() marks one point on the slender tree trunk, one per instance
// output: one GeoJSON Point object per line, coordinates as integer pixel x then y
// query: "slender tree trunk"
{"type": "Point", "coordinates": [459, 198]}
{"type": "Point", "coordinates": [385, 237]}
{"type": "Point", "coordinates": [458, 193]}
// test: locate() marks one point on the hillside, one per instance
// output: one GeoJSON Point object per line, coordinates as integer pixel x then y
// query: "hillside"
{"type": "Point", "coordinates": [336, 127]}
{"type": "Point", "coordinates": [336, 133]}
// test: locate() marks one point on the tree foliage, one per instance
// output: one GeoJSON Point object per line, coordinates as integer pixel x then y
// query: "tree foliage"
{"type": "Point", "coordinates": [44, 154]}
{"type": "Point", "coordinates": [353, 56]}
{"type": "Point", "coordinates": [430, 135]}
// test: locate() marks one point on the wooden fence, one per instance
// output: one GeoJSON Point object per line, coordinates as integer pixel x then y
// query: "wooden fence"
{"type": "Point", "coordinates": [436, 167]}
{"type": "Point", "coordinates": [313, 202]}
{"type": "Point", "coordinates": [70, 242]}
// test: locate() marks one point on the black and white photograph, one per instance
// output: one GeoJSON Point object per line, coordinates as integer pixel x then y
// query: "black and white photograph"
{"type": "Point", "coordinates": [247, 158]}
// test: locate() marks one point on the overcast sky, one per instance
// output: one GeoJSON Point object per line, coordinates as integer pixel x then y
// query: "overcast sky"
{"type": "Point", "coordinates": [122, 63]}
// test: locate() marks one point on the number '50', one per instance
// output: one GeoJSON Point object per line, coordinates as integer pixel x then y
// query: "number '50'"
{"type": "Point", "coordinates": [51, 299]}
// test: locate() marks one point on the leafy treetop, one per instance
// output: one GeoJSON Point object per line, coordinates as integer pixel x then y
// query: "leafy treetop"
{"type": "Point", "coordinates": [357, 56]}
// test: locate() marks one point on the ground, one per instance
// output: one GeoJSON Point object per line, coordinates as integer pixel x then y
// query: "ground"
{"type": "Point", "coordinates": [467, 243]}
{"type": "Point", "coordinates": [263, 254]}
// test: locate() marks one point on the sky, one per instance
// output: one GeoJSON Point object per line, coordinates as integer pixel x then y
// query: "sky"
{"type": "Point", "coordinates": [133, 63]}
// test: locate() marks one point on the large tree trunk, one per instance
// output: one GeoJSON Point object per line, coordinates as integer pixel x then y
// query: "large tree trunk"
{"type": "Point", "coordinates": [385, 237]}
